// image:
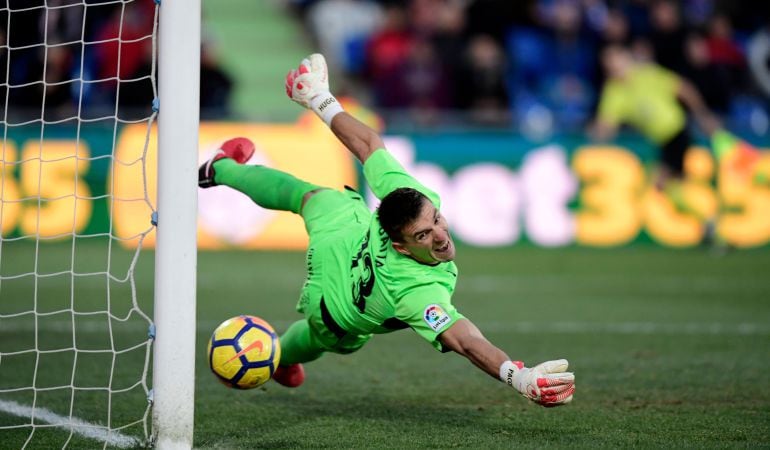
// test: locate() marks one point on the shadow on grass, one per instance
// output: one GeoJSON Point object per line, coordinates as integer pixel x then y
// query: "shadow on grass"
{"type": "Point", "coordinates": [294, 419]}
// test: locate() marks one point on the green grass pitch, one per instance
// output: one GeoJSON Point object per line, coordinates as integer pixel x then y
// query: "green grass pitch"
{"type": "Point", "coordinates": [670, 349]}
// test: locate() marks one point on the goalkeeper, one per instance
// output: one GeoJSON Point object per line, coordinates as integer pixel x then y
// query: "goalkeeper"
{"type": "Point", "coordinates": [371, 273]}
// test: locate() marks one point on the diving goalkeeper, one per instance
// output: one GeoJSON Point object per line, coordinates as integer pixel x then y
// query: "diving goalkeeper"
{"type": "Point", "coordinates": [371, 273]}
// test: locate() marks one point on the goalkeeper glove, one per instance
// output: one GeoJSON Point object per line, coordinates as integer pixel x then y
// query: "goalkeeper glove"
{"type": "Point", "coordinates": [547, 384]}
{"type": "Point", "coordinates": [308, 85]}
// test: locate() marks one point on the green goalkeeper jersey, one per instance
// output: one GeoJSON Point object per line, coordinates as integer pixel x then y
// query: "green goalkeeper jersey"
{"type": "Point", "coordinates": [369, 287]}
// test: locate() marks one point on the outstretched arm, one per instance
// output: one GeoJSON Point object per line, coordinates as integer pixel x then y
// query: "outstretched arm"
{"type": "Point", "coordinates": [359, 138]}
{"type": "Point", "coordinates": [466, 339]}
{"type": "Point", "coordinates": [547, 384]}
{"type": "Point", "coordinates": [601, 130]}
{"type": "Point", "coordinates": [690, 96]}
{"type": "Point", "coordinates": [308, 85]}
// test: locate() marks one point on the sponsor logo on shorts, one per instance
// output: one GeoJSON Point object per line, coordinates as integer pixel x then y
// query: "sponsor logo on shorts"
{"type": "Point", "coordinates": [436, 317]}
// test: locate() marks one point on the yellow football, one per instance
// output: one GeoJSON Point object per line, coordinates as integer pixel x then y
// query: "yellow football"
{"type": "Point", "coordinates": [243, 352]}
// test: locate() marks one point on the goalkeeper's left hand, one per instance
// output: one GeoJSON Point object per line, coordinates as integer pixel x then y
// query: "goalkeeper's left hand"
{"type": "Point", "coordinates": [308, 85]}
{"type": "Point", "coordinates": [308, 81]}
{"type": "Point", "coordinates": [547, 384]}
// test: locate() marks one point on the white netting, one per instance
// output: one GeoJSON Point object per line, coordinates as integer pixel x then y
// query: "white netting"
{"type": "Point", "coordinates": [74, 344]}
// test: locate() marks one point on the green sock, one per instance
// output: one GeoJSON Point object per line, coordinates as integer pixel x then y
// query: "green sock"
{"type": "Point", "coordinates": [298, 345]}
{"type": "Point", "coordinates": [269, 188]}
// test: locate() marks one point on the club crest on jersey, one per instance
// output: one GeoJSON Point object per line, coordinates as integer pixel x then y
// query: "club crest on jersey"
{"type": "Point", "coordinates": [436, 317]}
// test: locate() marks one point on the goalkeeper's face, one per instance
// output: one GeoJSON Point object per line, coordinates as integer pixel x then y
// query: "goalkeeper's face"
{"type": "Point", "coordinates": [426, 238]}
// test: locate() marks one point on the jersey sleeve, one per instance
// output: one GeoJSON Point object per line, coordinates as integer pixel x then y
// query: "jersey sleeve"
{"type": "Point", "coordinates": [384, 175]}
{"type": "Point", "coordinates": [611, 107]}
{"type": "Point", "coordinates": [429, 312]}
{"type": "Point", "coordinates": [665, 80]}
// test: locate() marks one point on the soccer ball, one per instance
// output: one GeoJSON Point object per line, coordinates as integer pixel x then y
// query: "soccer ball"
{"type": "Point", "coordinates": [244, 352]}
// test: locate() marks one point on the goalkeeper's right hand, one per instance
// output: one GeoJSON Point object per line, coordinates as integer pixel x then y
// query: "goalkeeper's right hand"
{"type": "Point", "coordinates": [308, 85]}
{"type": "Point", "coordinates": [547, 384]}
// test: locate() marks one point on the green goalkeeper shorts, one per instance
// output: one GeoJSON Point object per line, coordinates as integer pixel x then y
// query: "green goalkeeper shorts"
{"type": "Point", "coordinates": [330, 213]}
{"type": "Point", "coordinates": [334, 221]}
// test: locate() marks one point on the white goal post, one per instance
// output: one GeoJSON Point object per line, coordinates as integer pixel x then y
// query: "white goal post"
{"type": "Point", "coordinates": [176, 252]}
{"type": "Point", "coordinates": [79, 105]}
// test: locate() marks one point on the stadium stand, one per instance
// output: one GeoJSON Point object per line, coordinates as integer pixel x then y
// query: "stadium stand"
{"type": "Point", "coordinates": [246, 26]}
{"type": "Point", "coordinates": [423, 54]}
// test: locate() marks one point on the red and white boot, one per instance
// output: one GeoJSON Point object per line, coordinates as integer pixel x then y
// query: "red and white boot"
{"type": "Point", "coordinates": [290, 376]}
{"type": "Point", "coordinates": [239, 149]}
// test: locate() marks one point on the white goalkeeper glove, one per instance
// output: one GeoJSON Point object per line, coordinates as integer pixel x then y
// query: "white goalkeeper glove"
{"type": "Point", "coordinates": [547, 384]}
{"type": "Point", "coordinates": [308, 85]}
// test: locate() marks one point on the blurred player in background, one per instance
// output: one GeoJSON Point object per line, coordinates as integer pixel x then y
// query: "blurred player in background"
{"type": "Point", "coordinates": [647, 97]}
{"type": "Point", "coordinates": [371, 273]}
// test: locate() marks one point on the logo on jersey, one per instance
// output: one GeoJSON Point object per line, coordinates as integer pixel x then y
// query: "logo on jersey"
{"type": "Point", "coordinates": [436, 318]}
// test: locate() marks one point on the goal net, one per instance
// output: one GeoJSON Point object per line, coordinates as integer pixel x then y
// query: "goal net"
{"type": "Point", "coordinates": [76, 287]}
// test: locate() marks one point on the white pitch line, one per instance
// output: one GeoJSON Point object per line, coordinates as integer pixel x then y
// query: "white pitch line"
{"type": "Point", "coordinates": [691, 328]}
{"type": "Point", "coordinates": [520, 327]}
{"type": "Point", "coordinates": [74, 424]}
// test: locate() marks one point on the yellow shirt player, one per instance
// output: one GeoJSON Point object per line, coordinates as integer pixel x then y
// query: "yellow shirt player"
{"type": "Point", "coordinates": [649, 98]}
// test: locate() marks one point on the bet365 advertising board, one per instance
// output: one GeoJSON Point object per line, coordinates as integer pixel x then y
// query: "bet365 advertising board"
{"type": "Point", "coordinates": [497, 188]}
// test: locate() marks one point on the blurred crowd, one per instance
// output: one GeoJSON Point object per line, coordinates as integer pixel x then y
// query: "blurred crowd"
{"type": "Point", "coordinates": [90, 59]}
{"type": "Point", "coordinates": [537, 61]}
{"type": "Point", "coordinates": [528, 63]}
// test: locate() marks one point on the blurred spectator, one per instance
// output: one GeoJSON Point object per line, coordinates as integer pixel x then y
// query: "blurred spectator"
{"type": "Point", "coordinates": [64, 21]}
{"type": "Point", "coordinates": [387, 52]}
{"type": "Point", "coordinates": [759, 58]}
{"type": "Point", "coordinates": [724, 52]}
{"type": "Point", "coordinates": [135, 94]}
{"type": "Point", "coordinates": [341, 28]}
{"type": "Point", "coordinates": [496, 17]}
{"type": "Point", "coordinates": [125, 39]}
{"type": "Point", "coordinates": [553, 67]}
{"type": "Point", "coordinates": [423, 79]}
{"type": "Point", "coordinates": [300, 7]}
{"type": "Point", "coordinates": [20, 23]}
{"type": "Point", "coordinates": [58, 84]}
{"type": "Point", "coordinates": [450, 42]}
{"type": "Point", "coordinates": [697, 12]}
{"type": "Point", "coordinates": [216, 85]}
{"type": "Point", "coordinates": [668, 35]}
{"type": "Point", "coordinates": [638, 14]}
{"type": "Point", "coordinates": [424, 15]}
{"type": "Point", "coordinates": [616, 29]}
{"type": "Point", "coordinates": [121, 58]}
{"type": "Point", "coordinates": [46, 93]}
{"type": "Point", "coordinates": [642, 51]}
{"type": "Point", "coordinates": [3, 75]}
{"type": "Point", "coordinates": [480, 86]}
{"type": "Point", "coordinates": [722, 48]}
{"type": "Point", "coordinates": [572, 70]}
{"type": "Point", "coordinates": [704, 74]}
{"type": "Point", "coordinates": [596, 14]}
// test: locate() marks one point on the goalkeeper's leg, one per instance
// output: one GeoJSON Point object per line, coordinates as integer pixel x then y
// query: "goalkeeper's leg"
{"type": "Point", "coordinates": [298, 345]}
{"type": "Point", "coordinates": [269, 188]}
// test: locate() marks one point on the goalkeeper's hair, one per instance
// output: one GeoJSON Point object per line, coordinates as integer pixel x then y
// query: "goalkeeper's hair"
{"type": "Point", "coordinates": [398, 209]}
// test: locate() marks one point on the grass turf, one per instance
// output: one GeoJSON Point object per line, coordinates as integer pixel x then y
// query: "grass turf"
{"type": "Point", "coordinates": [670, 349]}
